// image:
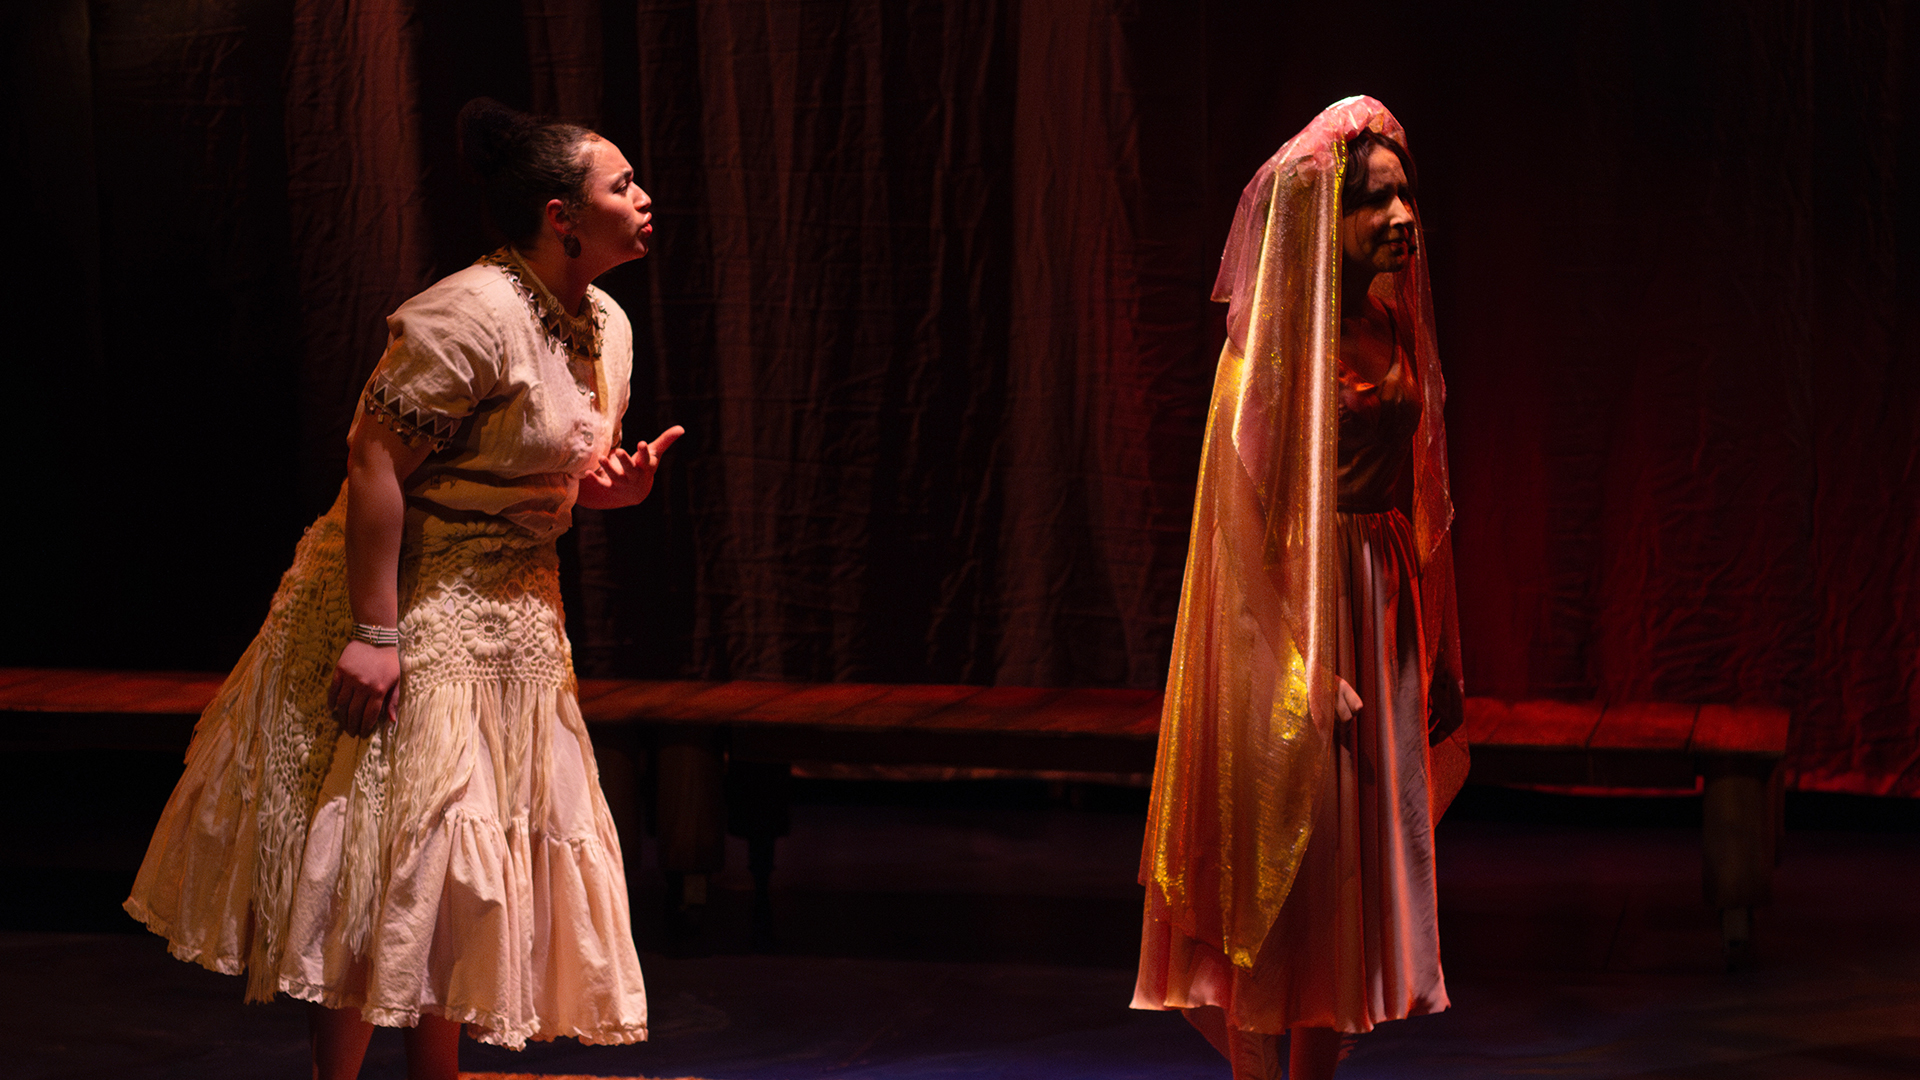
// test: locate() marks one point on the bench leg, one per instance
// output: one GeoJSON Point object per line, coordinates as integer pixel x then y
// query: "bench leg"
{"type": "Point", "coordinates": [1777, 807]}
{"type": "Point", "coordinates": [1739, 825]}
{"type": "Point", "coordinates": [690, 815]}
{"type": "Point", "coordinates": [759, 794]}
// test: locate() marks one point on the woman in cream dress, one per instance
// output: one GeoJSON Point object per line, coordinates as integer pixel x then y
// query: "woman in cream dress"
{"type": "Point", "coordinates": [391, 809]}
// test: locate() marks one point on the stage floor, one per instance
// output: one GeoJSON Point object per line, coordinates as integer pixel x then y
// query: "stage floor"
{"type": "Point", "coordinates": [961, 936]}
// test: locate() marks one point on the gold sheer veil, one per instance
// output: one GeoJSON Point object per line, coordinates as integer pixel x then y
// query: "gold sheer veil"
{"type": "Point", "coordinates": [1245, 731]}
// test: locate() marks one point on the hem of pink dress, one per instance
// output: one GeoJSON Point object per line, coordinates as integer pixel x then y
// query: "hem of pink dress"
{"type": "Point", "coordinates": [1178, 971]}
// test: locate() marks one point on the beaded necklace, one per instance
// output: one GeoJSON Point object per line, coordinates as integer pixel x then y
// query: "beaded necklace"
{"type": "Point", "coordinates": [576, 334]}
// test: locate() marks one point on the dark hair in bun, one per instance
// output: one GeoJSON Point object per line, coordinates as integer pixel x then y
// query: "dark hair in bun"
{"type": "Point", "coordinates": [521, 161]}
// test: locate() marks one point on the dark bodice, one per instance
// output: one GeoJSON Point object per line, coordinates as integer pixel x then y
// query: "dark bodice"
{"type": "Point", "coordinates": [1377, 424]}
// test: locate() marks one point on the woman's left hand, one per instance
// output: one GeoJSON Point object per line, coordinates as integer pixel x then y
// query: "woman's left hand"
{"type": "Point", "coordinates": [625, 479]}
{"type": "Point", "coordinates": [1346, 701]}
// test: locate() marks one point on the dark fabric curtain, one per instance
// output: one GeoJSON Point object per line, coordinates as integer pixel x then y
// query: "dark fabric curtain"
{"type": "Point", "coordinates": [929, 293]}
{"type": "Point", "coordinates": [905, 343]}
{"type": "Point", "coordinates": [1688, 411]}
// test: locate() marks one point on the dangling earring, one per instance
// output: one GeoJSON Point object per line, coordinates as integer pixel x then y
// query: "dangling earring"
{"type": "Point", "coordinates": [571, 245]}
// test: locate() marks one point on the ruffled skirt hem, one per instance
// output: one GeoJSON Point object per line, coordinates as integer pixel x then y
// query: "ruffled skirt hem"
{"type": "Point", "coordinates": [490, 1028]}
{"type": "Point", "coordinates": [176, 948]}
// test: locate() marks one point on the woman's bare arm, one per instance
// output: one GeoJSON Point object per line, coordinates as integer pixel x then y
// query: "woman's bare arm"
{"type": "Point", "coordinates": [378, 463]}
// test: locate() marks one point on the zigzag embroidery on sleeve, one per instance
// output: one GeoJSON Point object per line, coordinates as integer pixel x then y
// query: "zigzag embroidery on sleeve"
{"type": "Point", "coordinates": [407, 420]}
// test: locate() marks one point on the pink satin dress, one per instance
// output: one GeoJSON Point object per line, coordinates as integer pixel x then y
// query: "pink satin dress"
{"type": "Point", "coordinates": [1357, 941]}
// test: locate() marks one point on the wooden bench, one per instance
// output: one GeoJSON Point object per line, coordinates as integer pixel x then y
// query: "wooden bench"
{"type": "Point", "coordinates": [723, 754]}
{"type": "Point", "coordinates": [720, 753]}
{"type": "Point", "coordinates": [1093, 732]}
{"type": "Point", "coordinates": [1731, 754]}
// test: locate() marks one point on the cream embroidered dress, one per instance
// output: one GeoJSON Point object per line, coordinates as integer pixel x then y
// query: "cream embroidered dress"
{"type": "Point", "coordinates": [460, 861]}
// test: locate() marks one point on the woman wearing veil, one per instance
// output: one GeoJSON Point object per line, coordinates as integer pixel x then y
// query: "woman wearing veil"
{"type": "Point", "coordinates": [1309, 739]}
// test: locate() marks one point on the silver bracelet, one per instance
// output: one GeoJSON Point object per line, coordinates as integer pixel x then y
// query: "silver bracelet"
{"type": "Point", "coordinates": [382, 636]}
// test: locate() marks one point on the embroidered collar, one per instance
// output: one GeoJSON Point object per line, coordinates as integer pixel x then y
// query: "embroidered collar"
{"type": "Point", "coordinates": [577, 334]}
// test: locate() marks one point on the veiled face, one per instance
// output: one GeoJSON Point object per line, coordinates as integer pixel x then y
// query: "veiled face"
{"type": "Point", "coordinates": [1376, 229]}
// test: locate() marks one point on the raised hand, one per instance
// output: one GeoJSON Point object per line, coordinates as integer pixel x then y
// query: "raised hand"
{"type": "Point", "coordinates": [625, 479]}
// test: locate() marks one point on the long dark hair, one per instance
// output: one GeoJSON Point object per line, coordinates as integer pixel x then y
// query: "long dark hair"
{"type": "Point", "coordinates": [521, 162]}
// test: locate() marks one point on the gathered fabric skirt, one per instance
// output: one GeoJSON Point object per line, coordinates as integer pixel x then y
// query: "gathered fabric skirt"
{"type": "Point", "coordinates": [1357, 941]}
{"type": "Point", "coordinates": [460, 861]}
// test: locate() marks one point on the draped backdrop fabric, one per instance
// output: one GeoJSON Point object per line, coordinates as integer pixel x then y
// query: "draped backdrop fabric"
{"type": "Point", "coordinates": [929, 293]}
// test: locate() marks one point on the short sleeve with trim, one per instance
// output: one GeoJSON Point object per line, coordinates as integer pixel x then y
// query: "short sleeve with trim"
{"type": "Point", "coordinates": [443, 358]}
